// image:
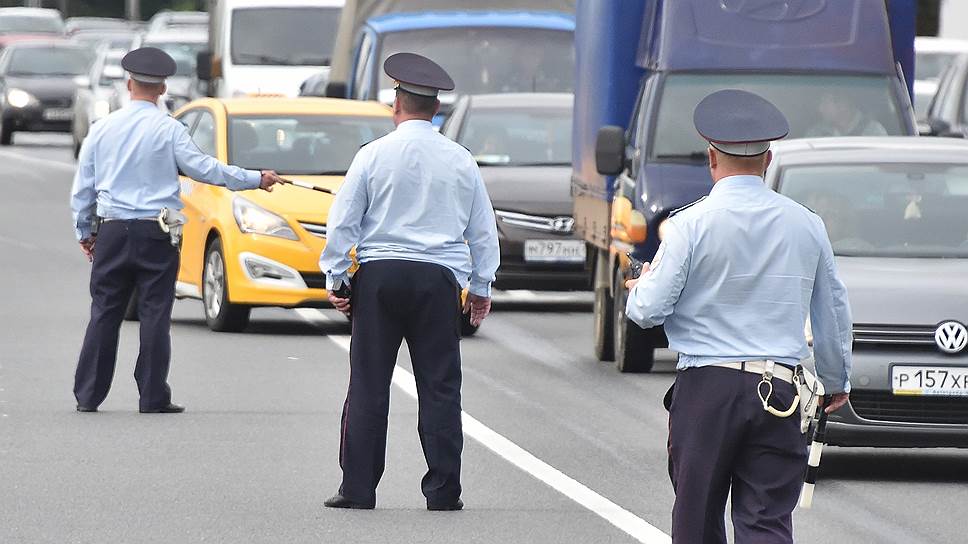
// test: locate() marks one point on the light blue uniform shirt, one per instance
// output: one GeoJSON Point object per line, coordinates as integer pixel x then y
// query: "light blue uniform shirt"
{"type": "Point", "coordinates": [128, 167]}
{"type": "Point", "coordinates": [736, 277]}
{"type": "Point", "coordinates": [414, 195]}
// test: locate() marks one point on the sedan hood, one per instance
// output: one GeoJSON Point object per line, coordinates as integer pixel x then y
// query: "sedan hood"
{"type": "Point", "coordinates": [534, 190]}
{"type": "Point", "coordinates": [297, 203]}
{"type": "Point", "coordinates": [44, 88]}
{"type": "Point", "coordinates": [905, 291]}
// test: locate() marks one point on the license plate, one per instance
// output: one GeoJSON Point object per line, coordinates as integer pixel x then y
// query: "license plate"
{"type": "Point", "coordinates": [554, 251]}
{"type": "Point", "coordinates": [58, 114]}
{"type": "Point", "coordinates": [942, 381]}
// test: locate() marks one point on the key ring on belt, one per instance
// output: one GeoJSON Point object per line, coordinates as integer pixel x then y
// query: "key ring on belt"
{"type": "Point", "coordinates": [767, 380]}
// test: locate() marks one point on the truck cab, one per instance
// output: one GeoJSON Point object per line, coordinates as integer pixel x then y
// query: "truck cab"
{"type": "Point", "coordinates": [828, 66]}
{"type": "Point", "coordinates": [513, 51]}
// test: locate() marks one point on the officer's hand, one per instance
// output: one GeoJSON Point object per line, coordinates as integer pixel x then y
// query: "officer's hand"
{"type": "Point", "coordinates": [837, 401]}
{"type": "Point", "coordinates": [87, 247]}
{"type": "Point", "coordinates": [478, 307]}
{"type": "Point", "coordinates": [269, 178]}
{"type": "Point", "coordinates": [629, 284]}
{"type": "Point", "coordinates": [341, 304]}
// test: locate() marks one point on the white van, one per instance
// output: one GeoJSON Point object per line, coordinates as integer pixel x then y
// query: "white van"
{"type": "Point", "coordinates": [267, 47]}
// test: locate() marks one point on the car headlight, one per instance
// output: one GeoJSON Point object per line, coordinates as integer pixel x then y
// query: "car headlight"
{"type": "Point", "coordinates": [18, 98]}
{"type": "Point", "coordinates": [102, 108]}
{"type": "Point", "coordinates": [255, 219]}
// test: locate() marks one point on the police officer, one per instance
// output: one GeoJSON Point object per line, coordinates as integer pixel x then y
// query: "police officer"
{"type": "Point", "coordinates": [414, 205]}
{"type": "Point", "coordinates": [734, 280]}
{"type": "Point", "coordinates": [127, 174]}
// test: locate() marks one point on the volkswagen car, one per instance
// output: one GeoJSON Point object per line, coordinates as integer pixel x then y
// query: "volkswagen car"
{"type": "Point", "coordinates": [522, 143]}
{"type": "Point", "coordinates": [254, 248]}
{"type": "Point", "coordinates": [895, 212]}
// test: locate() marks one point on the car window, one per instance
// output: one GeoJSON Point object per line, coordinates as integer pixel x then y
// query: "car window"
{"type": "Point", "coordinates": [305, 144]}
{"type": "Point", "coordinates": [28, 24]}
{"type": "Point", "coordinates": [188, 119]}
{"type": "Point", "coordinates": [49, 61]}
{"type": "Point", "coordinates": [518, 136]}
{"type": "Point", "coordinates": [204, 133]}
{"type": "Point", "coordinates": [888, 209]}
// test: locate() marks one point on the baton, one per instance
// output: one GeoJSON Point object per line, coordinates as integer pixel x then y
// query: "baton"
{"type": "Point", "coordinates": [305, 185]}
{"type": "Point", "coordinates": [813, 462]}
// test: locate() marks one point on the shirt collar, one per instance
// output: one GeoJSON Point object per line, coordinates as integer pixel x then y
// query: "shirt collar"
{"type": "Point", "coordinates": [743, 181]}
{"type": "Point", "coordinates": [415, 124]}
{"type": "Point", "coordinates": [142, 104]}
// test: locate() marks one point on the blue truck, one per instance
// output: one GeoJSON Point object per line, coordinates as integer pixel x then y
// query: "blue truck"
{"type": "Point", "coordinates": [832, 66]}
{"type": "Point", "coordinates": [484, 51]}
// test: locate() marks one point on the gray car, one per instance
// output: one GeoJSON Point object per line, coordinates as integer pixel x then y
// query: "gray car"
{"type": "Point", "coordinates": [896, 211]}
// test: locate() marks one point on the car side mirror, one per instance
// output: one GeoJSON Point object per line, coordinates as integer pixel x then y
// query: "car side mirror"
{"type": "Point", "coordinates": [924, 129]}
{"type": "Point", "coordinates": [203, 65]}
{"type": "Point", "coordinates": [610, 150]}
{"type": "Point", "coordinates": [938, 127]}
{"type": "Point", "coordinates": [335, 89]}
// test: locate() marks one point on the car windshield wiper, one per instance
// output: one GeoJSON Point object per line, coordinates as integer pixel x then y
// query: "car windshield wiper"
{"type": "Point", "coordinates": [263, 59]}
{"type": "Point", "coordinates": [549, 163]}
{"type": "Point", "coordinates": [693, 156]}
{"type": "Point", "coordinates": [328, 173]}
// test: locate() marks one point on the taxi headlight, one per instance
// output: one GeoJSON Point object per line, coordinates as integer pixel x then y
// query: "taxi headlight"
{"type": "Point", "coordinates": [18, 98]}
{"type": "Point", "coordinates": [102, 108]}
{"type": "Point", "coordinates": [255, 219]}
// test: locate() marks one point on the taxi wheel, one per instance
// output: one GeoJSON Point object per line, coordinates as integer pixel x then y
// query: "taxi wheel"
{"type": "Point", "coordinates": [604, 322]}
{"type": "Point", "coordinates": [634, 350]}
{"type": "Point", "coordinates": [466, 329]}
{"type": "Point", "coordinates": [220, 314]}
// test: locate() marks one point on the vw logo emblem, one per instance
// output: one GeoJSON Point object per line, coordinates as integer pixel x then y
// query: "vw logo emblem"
{"type": "Point", "coordinates": [951, 337]}
{"type": "Point", "coordinates": [774, 10]}
{"type": "Point", "coordinates": [563, 224]}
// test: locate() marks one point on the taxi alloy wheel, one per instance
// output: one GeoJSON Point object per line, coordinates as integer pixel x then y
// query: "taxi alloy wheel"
{"type": "Point", "coordinates": [634, 348]}
{"type": "Point", "coordinates": [220, 314]}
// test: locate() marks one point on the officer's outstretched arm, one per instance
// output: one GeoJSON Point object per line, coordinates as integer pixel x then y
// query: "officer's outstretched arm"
{"type": "Point", "coordinates": [831, 323]}
{"type": "Point", "coordinates": [654, 297]}
{"type": "Point", "coordinates": [208, 169]}
{"type": "Point", "coordinates": [481, 236]}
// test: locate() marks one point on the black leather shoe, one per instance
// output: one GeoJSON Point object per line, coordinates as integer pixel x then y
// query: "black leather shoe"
{"type": "Point", "coordinates": [456, 505]}
{"type": "Point", "coordinates": [339, 501]}
{"type": "Point", "coordinates": [169, 409]}
{"type": "Point", "coordinates": [86, 409]}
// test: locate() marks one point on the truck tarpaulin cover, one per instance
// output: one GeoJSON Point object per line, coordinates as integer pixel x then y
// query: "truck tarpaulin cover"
{"type": "Point", "coordinates": [356, 12]}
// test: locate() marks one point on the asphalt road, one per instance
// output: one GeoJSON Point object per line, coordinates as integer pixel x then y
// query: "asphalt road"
{"type": "Point", "coordinates": [256, 453]}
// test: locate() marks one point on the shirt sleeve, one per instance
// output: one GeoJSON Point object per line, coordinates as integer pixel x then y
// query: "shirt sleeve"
{"type": "Point", "coordinates": [207, 169]}
{"type": "Point", "coordinates": [481, 236]}
{"type": "Point", "coordinates": [831, 323]}
{"type": "Point", "coordinates": [654, 297]}
{"type": "Point", "coordinates": [344, 223]}
{"type": "Point", "coordinates": [83, 195]}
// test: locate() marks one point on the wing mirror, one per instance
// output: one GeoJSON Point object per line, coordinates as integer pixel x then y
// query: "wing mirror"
{"type": "Point", "coordinates": [610, 150]}
{"type": "Point", "coordinates": [335, 89]}
{"type": "Point", "coordinates": [203, 65]}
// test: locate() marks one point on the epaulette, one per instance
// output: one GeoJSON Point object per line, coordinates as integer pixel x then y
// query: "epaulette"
{"type": "Point", "coordinates": [687, 206]}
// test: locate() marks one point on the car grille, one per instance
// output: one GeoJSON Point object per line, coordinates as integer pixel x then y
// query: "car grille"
{"type": "Point", "coordinates": [911, 335]}
{"type": "Point", "coordinates": [315, 229]}
{"type": "Point", "coordinates": [885, 406]}
{"type": "Point", "coordinates": [559, 225]}
{"type": "Point", "coordinates": [314, 280]}
{"type": "Point", "coordinates": [56, 102]}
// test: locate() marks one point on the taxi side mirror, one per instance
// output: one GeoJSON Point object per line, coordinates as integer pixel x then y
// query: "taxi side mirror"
{"type": "Point", "coordinates": [610, 150]}
{"type": "Point", "coordinates": [203, 65]}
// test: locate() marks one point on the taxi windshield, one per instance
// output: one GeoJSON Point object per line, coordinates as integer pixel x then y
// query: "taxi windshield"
{"type": "Point", "coordinates": [306, 36]}
{"type": "Point", "coordinates": [49, 61]}
{"type": "Point", "coordinates": [886, 210]}
{"type": "Point", "coordinates": [815, 105]}
{"type": "Point", "coordinates": [307, 145]}
{"type": "Point", "coordinates": [519, 137]}
{"type": "Point", "coordinates": [506, 60]}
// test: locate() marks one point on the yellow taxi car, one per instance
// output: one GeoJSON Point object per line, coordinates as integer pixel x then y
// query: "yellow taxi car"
{"type": "Point", "coordinates": [255, 248]}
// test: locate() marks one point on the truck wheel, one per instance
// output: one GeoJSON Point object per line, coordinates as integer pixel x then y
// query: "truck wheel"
{"type": "Point", "coordinates": [604, 321]}
{"type": "Point", "coordinates": [131, 312]}
{"type": "Point", "coordinates": [466, 329]}
{"type": "Point", "coordinates": [634, 350]}
{"type": "Point", "coordinates": [220, 314]}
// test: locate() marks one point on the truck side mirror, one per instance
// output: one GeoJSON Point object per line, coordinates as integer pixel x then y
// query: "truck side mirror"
{"type": "Point", "coordinates": [335, 89]}
{"type": "Point", "coordinates": [203, 66]}
{"type": "Point", "coordinates": [610, 150]}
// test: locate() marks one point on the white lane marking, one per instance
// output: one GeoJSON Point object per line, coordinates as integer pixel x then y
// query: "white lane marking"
{"type": "Point", "coordinates": [634, 526]}
{"type": "Point", "coordinates": [44, 162]}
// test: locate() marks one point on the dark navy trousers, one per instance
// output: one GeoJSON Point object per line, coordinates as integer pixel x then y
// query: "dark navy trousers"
{"type": "Point", "coordinates": [129, 254]}
{"type": "Point", "coordinates": [395, 300]}
{"type": "Point", "coordinates": [721, 441]}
